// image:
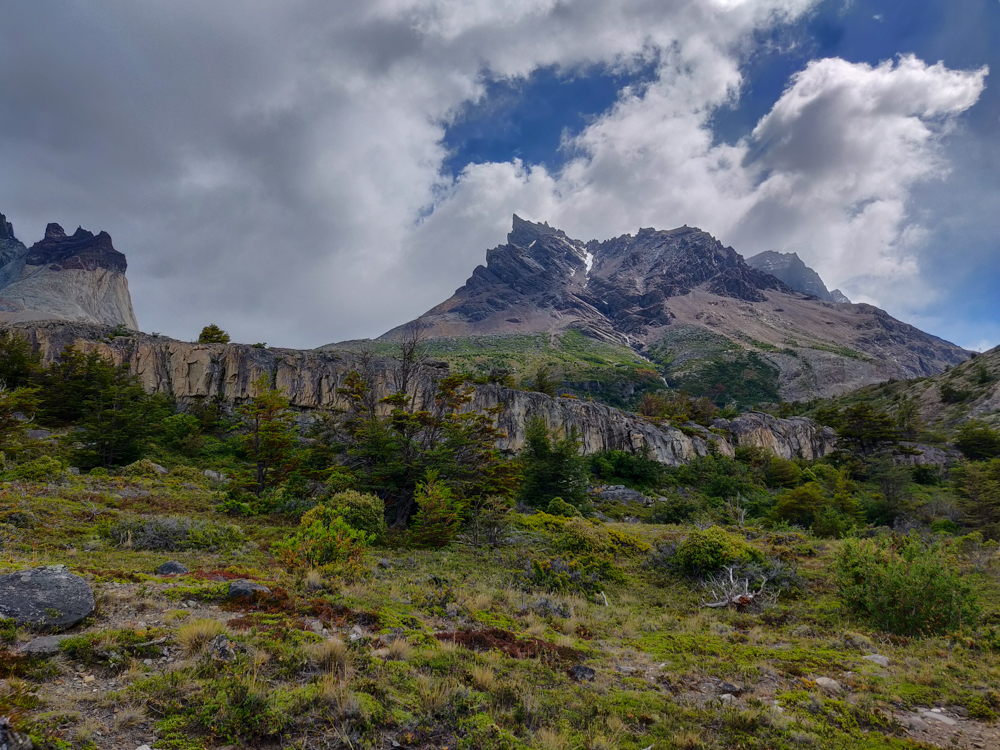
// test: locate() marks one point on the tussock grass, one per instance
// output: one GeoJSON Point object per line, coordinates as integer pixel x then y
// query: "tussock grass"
{"type": "Point", "coordinates": [331, 655]}
{"type": "Point", "coordinates": [483, 678]}
{"type": "Point", "coordinates": [399, 650]}
{"type": "Point", "coordinates": [194, 636]}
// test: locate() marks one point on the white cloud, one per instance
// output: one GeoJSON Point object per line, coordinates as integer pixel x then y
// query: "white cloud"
{"type": "Point", "coordinates": [276, 168]}
{"type": "Point", "coordinates": [826, 173]}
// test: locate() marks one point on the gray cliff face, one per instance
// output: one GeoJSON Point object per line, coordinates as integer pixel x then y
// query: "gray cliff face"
{"type": "Point", "coordinates": [192, 372]}
{"type": "Point", "coordinates": [80, 277]}
{"type": "Point", "coordinates": [792, 271]}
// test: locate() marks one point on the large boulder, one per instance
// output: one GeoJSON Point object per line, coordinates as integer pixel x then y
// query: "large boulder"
{"type": "Point", "coordinates": [49, 598]}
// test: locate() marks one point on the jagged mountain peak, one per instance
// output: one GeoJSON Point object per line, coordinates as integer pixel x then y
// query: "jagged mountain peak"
{"type": "Point", "coordinates": [6, 229]}
{"type": "Point", "coordinates": [793, 271]}
{"type": "Point", "coordinates": [681, 296]}
{"type": "Point", "coordinates": [78, 277]}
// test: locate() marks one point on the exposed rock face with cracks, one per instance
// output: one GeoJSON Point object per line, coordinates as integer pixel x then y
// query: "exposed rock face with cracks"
{"type": "Point", "coordinates": [78, 277]}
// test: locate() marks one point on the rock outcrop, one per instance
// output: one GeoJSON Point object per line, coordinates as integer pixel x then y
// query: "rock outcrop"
{"type": "Point", "coordinates": [78, 277]}
{"type": "Point", "coordinates": [195, 372]}
{"type": "Point", "coordinates": [684, 300]}
{"type": "Point", "coordinates": [797, 275]}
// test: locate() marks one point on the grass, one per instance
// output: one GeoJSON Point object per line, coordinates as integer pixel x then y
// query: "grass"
{"type": "Point", "coordinates": [656, 654]}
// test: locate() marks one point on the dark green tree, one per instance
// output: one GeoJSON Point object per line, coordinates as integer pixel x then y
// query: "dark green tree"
{"type": "Point", "coordinates": [212, 334]}
{"type": "Point", "coordinates": [552, 467]}
{"type": "Point", "coordinates": [118, 416]}
{"type": "Point", "coordinates": [268, 436]}
{"type": "Point", "coordinates": [863, 431]}
{"type": "Point", "coordinates": [978, 441]}
{"type": "Point", "coordinates": [20, 364]}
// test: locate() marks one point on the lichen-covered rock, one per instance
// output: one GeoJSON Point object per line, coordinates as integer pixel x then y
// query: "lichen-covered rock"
{"type": "Point", "coordinates": [243, 588]}
{"type": "Point", "coordinates": [49, 598]}
{"type": "Point", "coordinates": [171, 568]}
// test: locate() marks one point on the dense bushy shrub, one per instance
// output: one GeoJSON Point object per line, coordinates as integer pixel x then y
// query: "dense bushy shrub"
{"type": "Point", "coordinates": [591, 539]}
{"type": "Point", "coordinates": [634, 469]}
{"type": "Point", "coordinates": [174, 533]}
{"type": "Point", "coordinates": [42, 469]}
{"type": "Point", "coordinates": [323, 539]}
{"type": "Point", "coordinates": [675, 509]}
{"type": "Point", "coordinates": [362, 511]}
{"type": "Point", "coordinates": [910, 589]}
{"type": "Point", "coordinates": [559, 507]}
{"type": "Point", "coordinates": [978, 441]}
{"type": "Point", "coordinates": [142, 468]}
{"type": "Point", "coordinates": [707, 551]}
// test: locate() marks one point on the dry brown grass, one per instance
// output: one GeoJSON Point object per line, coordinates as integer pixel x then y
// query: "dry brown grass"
{"type": "Point", "coordinates": [332, 655]}
{"type": "Point", "coordinates": [550, 739]}
{"type": "Point", "coordinates": [313, 581]}
{"type": "Point", "coordinates": [334, 692]}
{"type": "Point", "coordinates": [129, 716]}
{"type": "Point", "coordinates": [193, 636]}
{"type": "Point", "coordinates": [399, 650]}
{"type": "Point", "coordinates": [434, 692]}
{"type": "Point", "coordinates": [483, 678]}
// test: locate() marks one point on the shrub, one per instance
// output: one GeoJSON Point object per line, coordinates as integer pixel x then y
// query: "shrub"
{"type": "Point", "coordinates": [781, 472]}
{"type": "Point", "coordinates": [675, 509]}
{"type": "Point", "coordinates": [635, 469]}
{"type": "Point", "coordinates": [553, 467]}
{"type": "Point", "coordinates": [182, 432]}
{"type": "Point", "coordinates": [439, 518]}
{"type": "Point", "coordinates": [591, 539]}
{"type": "Point", "coordinates": [143, 468]}
{"type": "Point", "coordinates": [42, 469]}
{"type": "Point", "coordinates": [832, 524]}
{"type": "Point", "coordinates": [559, 507]}
{"type": "Point", "coordinates": [174, 533]}
{"type": "Point", "coordinates": [362, 511]}
{"type": "Point", "coordinates": [706, 551]}
{"type": "Point", "coordinates": [910, 591]}
{"type": "Point", "coordinates": [323, 538]}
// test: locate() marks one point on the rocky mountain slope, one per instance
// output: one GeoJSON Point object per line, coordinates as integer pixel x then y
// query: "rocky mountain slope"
{"type": "Point", "coordinates": [711, 321]}
{"type": "Point", "coordinates": [792, 271]}
{"type": "Point", "coordinates": [193, 372]}
{"type": "Point", "coordinates": [78, 277]}
{"type": "Point", "coordinates": [970, 390]}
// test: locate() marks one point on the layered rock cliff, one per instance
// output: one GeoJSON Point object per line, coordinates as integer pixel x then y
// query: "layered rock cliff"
{"type": "Point", "coordinates": [227, 372]}
{"type": "Point", "coordinates": [80, 277]}
{"type": "Point", "coordinates": [688, 303]}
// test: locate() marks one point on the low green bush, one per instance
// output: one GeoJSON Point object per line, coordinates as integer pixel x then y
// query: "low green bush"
{"type": "Point", "coordinates": [912, 590]}
{"type": "Point", "coordinates": [707, 551]}
{"type": "Point", "coordinates": [559, 507]}
{"type": "Point", "coordinates": [173, 533]}
{"type": "Point", "coordinates": [324, 539]}
{"type": "Point", "coordinates": [362, 511]}
{"type": "Point", "coordinates": [42, 469]}
{"type": "Point", "coordinates": [142, 468]}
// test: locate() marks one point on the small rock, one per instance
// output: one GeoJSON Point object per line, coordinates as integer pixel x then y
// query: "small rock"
{"type": "Point", "coordinates": [727, 698]}
{"type": "Point", "coordinates": [313, 626]}
{"type": "Point", "coordinates": [914, 723]}
{"type": "Point", "coordinates": [939, 718]}
{"type": "Point", "coordinates": [356, 634]}
{"type": "Point", "coordinates": [11, 739]}
{"type": "Point", "coordinates": [959, 711]}
{"type": "Point", "coordinates": [728, 687]}
{"type": "Point", "coordinates": [45, 646]}
{"type": "Point", "coordinates": [383, 562]}
{"type": "Point", "coordinates": [882, 661]}
{"type": "Point", "coordinates": [159, 469]}
{"type": "Point", "coordinates": [192, 603]}
{"type": "Point", "coordinates": [221, 648]}
{"type": "Point", "coordinates": [214, 475]}
{"type": "Point", "coordinates": [171, 568]}
{"type": "Point", "coordinates": [50, 598]}
{"type": "Point", "coordinates": [73, 471]}
{"type": "Point", "coordinates": [582, 673]}
{"type": "Point", "coordinates": [143, 747]}
{"type": "Point", "coordinates": [89, 678]}
{"type": "Point", "coordinates": [829, 685]}
{"type": "Point", "coordinates": [243, 587]}
{"type": "Point", "coordinates": [148, 662]}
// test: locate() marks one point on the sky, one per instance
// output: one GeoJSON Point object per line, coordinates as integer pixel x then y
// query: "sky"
{"type": "Point", "coordinates": [313, 171]}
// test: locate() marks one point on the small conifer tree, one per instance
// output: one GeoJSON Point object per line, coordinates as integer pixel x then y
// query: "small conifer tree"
{"type": "Point", "coordinates": [212, 334]}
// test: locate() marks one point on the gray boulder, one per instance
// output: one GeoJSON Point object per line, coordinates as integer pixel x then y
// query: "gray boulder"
{"type": "Point", "coordinates": [47, 645]}
{"type": "Point", "coordinates": [242, 587]}
{"type": "Point", "coordinates": [49, 598]}
{"type": "Point", "coordinates": [172, 567]}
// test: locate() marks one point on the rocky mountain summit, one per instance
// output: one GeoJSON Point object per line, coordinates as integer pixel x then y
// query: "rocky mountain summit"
{"type": "Point", "coordinates": [691, 306]}
{"type": "Point", "coordinates": [78, 277]}
{"type": "Point", "coordinates": [790, 269]}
